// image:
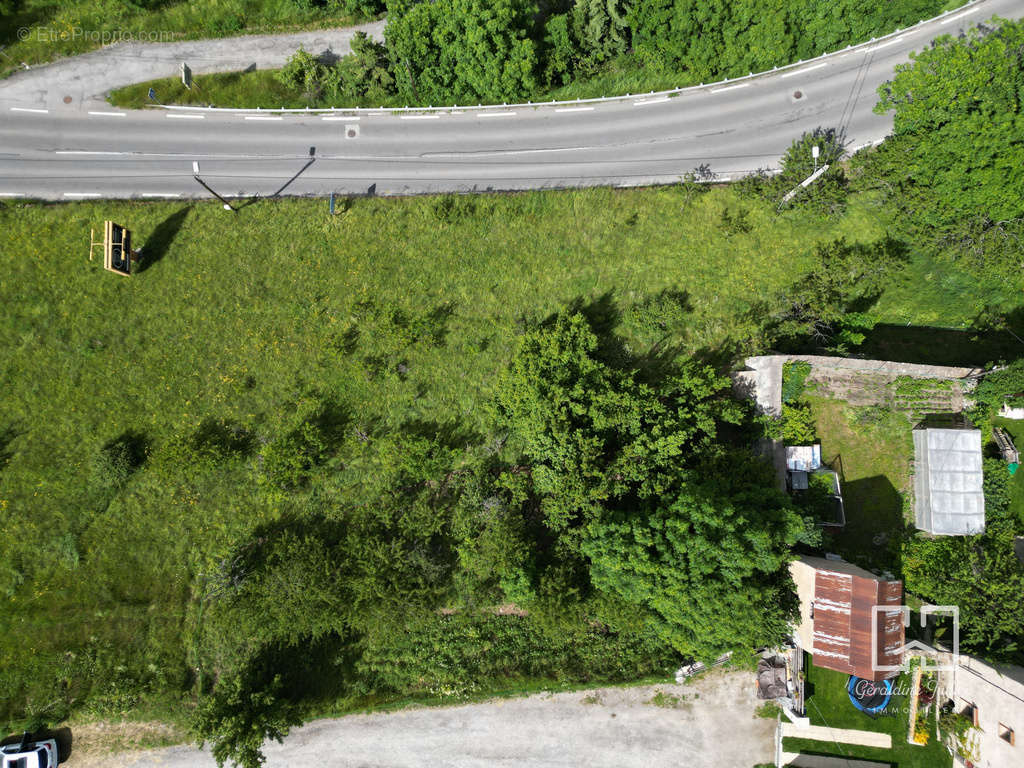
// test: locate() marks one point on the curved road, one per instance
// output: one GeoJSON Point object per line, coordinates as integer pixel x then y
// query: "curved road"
{"type": "Point", "coordinates": [734, 128]}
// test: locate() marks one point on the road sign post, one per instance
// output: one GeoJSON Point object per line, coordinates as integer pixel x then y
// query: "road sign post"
{"type": "Point", "coordinates": [186, 75]}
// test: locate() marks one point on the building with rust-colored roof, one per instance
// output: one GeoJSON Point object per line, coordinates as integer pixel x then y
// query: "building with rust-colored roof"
{"type": "Point", "coordinates": [838, 601]}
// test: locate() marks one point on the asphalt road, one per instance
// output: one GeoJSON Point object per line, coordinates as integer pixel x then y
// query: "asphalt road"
{"type": "Point", "coordinates": [733, 128]}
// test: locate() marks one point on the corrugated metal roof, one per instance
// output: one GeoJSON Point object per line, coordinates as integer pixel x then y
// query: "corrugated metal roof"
{"type": "Point", "coordinates": [948, 495]}
{"type": "Point", "coordinates": [844, 604]}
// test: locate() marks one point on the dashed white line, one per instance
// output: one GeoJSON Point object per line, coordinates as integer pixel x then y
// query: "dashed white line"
{"type": "Point", "coordinates": [504, 152]}
{"type": "Point", "coordinates": [886, 44]}
{"type": "Point", "coordinates": [173, 116]}
{"type": "Point", "coordinates": [160, 194]}
{"type": "Point", "coordinates": [805, 69]}
{"type": "Point", "coordinates": [729, 88]}
{"type": "Point", "coordinates": [85, 152]}
{"type": "Point", "coordinates": [496, 114]}
{"type": "Point", "coordinates": [81, 194]}
{"type": "Point", "coordinates": [109, 114]}
{"type": "Point", "coordinates": [575, 109]}
{"type": "Point", "coordinates": [645, 102]}
{"type": "Point", "coordinates": [30, 109]}
{"type": "Point", "coordinates": [419, 117]}
{"type": "Point", "coordinates": [262, 117]}
{"type": "Point", "coordinates": [348, 119]}
{"type": "Point", "coordinates": [958, 16]}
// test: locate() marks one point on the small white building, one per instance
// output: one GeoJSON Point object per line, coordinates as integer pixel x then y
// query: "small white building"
{"type": "Point", "coordinates": [948, 495]}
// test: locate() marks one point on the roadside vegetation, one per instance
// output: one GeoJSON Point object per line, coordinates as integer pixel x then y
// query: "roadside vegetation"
{"type": "Point", "coordinates": [433, 448]}
{"type": "Point", "coordinates": [493, 51]}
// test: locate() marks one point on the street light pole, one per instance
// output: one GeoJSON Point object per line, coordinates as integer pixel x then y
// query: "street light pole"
{"type": "Point", "coordinates": [195, 175]}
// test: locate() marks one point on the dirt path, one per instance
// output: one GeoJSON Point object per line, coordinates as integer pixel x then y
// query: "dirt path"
{"type": "Point", "coordinates": [86, 79]}
{"type": "Point", "coordinates": [709, 723]}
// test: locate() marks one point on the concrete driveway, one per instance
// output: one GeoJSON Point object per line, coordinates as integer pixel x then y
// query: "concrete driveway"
{"type": "Point", "coordinates": [711, 725]}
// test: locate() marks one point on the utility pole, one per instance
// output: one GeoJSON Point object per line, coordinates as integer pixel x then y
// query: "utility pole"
{"type": "Point", "coordinates": [208, 188]}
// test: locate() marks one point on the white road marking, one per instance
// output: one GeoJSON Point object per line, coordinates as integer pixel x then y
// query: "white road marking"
{"type": "Point", "coordinates": [11, 194]}
{"type": "Point", "coordinates": [419, 117]}
{"type": "Point", "coordinates": [575, 109]}
{"type": "Point", "coordinates": [502, 152]}
{"type": "Point", "coordinates": [886, 44]}
{"type": "Point", "coordinates": [645, 102]}
{"type": "Point", "coordinates": [496, 114]}
{"type": "Point", "coordinates": [343, 117]}
{"type": "Point", "coordinates": [729, 88]}
{"type": "Point", "coordinates": [160, 194]}
{"type": "Point", "coordinates": [30, 109]}
{"type": "Point", "coordinates": [805, 69]}
{"type": "Point", "coordinates": [81, 194]}
{"type": "Point", "coordinates": [261, 117]}
{"type": "Point", "coordinates": [109, 114]}
{"type": "Point", "coordinates": [958, 16]}
{"type": "Point", "coordinates": [186, 117]}
{"type": "Point", "coordinates": [86, 152]}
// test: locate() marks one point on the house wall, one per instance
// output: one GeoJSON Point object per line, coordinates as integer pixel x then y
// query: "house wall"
{"type": "Point", "coordinates": [803, 577]}
{"type": "Point", "coordinates": [998, 695]}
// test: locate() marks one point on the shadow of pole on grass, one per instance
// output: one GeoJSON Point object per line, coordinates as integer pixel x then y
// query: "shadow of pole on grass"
{"type": "Point", "coordinates": [159, 241]}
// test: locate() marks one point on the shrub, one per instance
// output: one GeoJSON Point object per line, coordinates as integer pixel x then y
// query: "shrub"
{"type": "Point", "coordinates": [827, 195]}
{"type": "Point", "coordinates": [794, 375]}
{"type": "Point", "coordinates": [665, 312]}
{"type": "Point", "coordinates": [118, 460]}
{"type": "Point", "coordinates": [798, 424]}
{"type": "Point", "coordinates": [304, 70]}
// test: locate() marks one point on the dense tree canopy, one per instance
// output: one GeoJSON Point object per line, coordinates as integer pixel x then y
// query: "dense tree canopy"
{"type": "Point", "coordinates": [618, 464]}
{"type": "Point", "coordinates": [954, 166]}
{"type": "Point", "coordinates": [981, 574]}
{"type": "Point", "coordinates": [594, 432]}
{"type": "Point", "coordinates": [708, 560]}
{"type": "Point", "coordinates": [462, 51]}
{"type": "Point", "coordinates": [715, 38]}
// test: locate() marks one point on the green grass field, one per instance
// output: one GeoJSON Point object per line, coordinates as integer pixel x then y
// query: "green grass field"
{"type": "Point", "coordinates": [1016, 430]}
{"type": "Point", "coordinates": [828, 704]}
{"type": "Point", "coordinates": [874, 449]}
{"type": "Point", "coordinates": [242, 318]}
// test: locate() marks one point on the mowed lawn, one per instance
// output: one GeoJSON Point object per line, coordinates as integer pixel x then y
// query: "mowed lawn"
{"type": "Point", "coordinates": [1015, 428]}
{"type": "Point", "coordinates": [829, 704]}
{"type": "Point", "coordinates": [873, 447]}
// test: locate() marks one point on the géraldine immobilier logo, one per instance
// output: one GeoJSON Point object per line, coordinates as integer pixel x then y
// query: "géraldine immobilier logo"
{"type": "Point", "coordinates": [927, 653]}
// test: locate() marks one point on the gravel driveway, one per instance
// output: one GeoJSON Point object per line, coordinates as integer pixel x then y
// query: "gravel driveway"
{"type": "Point", "coordinates": [712, 725]}
{"type": "Point", "coordinates": [87, 78]}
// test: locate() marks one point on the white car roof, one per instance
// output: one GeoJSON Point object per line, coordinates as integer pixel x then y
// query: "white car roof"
{"type": "Point", "coordinates": [26, 759]}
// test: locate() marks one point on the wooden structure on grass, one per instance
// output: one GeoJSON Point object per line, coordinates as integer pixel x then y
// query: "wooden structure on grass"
{"type": "Point", "coordinates": [117, 248]}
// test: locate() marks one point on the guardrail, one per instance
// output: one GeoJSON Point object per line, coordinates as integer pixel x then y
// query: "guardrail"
{"type": "Point", "coordinates": [963, 9]}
